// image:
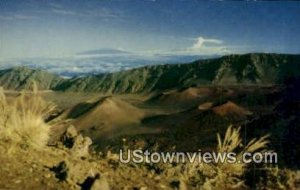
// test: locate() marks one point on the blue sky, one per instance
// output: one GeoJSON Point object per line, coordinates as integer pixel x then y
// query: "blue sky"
{"type": "Point", "coordinates": [44, 28]}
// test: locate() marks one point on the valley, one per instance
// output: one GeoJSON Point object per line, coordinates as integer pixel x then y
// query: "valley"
{"type": "Point", "coordinates": [158, 108]}
{"type": "Point", "coordinates": [174, 117]}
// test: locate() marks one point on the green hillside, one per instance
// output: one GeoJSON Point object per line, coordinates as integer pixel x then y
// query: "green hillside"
{"type": "Point", "coordinates": [22, 78]}
{"type": "Point", "coordinates": [256, 68]}
{"type": "Point", "coordinates": [259, 69]}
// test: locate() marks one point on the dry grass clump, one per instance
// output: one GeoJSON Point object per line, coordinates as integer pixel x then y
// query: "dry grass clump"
{"type": "Point", "coordinates": [229, 175]}
{"type": "Point", "coordinates": [233, 143]}
{"type": "Point", "coordinates": [22, 119]}
{"type": "Point", "coordinates": [220, 175]}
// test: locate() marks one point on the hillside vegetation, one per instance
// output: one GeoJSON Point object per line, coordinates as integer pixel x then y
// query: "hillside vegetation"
{"type": "Point", "coordinates": [20, 78]}
{"type": "Point", "coordinates": [248, 69]}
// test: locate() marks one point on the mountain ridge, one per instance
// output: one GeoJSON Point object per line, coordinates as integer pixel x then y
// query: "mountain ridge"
{"type": "Point", "coordinates": [19, 78]}
{"type": "Point", "coordinates": [246, 69]}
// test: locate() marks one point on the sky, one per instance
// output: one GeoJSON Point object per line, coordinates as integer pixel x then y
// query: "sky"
{"type": "Point", "coordinates": [59, 28]}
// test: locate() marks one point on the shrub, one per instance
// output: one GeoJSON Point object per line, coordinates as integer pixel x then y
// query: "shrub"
{"type": "Point", "coordinates": [22, 119]}
{"type": "Point", "coordinates": [228, 175]}
{"type": "Point", "coordinates": [220, 175]}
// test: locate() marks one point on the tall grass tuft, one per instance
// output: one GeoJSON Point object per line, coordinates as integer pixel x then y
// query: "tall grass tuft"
{"type": "Point", "coordinates": [229, 175]}
{"type": "Point", "coordinates": [221, 175]}
{"type": "Point", "coordinates": [232, 142]}
{"type": "Point", "coordinates": [22, 119]}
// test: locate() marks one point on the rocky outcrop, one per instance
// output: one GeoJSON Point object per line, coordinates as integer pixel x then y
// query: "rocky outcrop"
{"type": "Point", "coordinates": [79, 176]}
{"type": "Point", "coordinates": [78, 145]}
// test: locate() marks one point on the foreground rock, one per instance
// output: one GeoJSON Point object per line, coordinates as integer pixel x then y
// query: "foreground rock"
{"type": "Point", "coordinates": [78, 144]}
{"type": "Point", "coordinates": [79, 176]}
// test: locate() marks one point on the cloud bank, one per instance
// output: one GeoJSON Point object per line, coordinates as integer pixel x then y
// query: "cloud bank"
{"type": "Point", "coordinates": [87, 65]}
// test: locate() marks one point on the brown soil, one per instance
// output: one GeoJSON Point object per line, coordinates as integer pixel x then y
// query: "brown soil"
{"type": "Point", "coordinates": [24, 168]}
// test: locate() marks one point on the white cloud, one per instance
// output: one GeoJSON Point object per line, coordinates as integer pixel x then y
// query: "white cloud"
{"type": "Point", "coordinates": [201, 42]}
{"type": "Point", "coordinates": [200, 46]}
{"type": "Point", "coordinates": [205, 46]}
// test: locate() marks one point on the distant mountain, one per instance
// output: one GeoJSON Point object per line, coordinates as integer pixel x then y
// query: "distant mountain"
{"type": "Point", "coordinates": [90, 64]}
{"type": "Point", "coordinates": [254, 69]}
{"type": "Point", "coordinates": [22, 78]}
{"type": "Point", "coordinates": [103, 51]}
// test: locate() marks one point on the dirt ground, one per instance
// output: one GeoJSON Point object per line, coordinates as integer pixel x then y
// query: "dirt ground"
{"type": "Point", "coordinates": [24, 168]}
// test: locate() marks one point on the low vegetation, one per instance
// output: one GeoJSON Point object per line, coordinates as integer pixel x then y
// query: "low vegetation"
{"type": "Point", "coordinates": [69, 164]}
{"type": "Point", "coordinates": [23, 119]}
{"type": "Point", "coordinates": [220, 175]}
